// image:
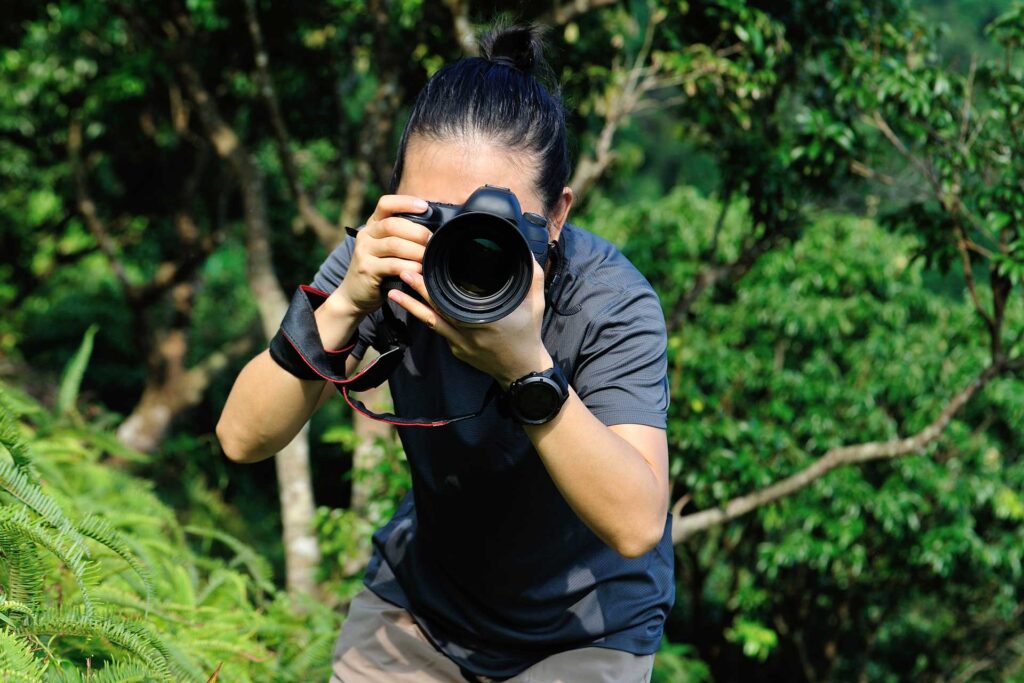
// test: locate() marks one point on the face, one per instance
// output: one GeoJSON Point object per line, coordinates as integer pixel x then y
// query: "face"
{"type": "Point", "coordinates": [449, 171]}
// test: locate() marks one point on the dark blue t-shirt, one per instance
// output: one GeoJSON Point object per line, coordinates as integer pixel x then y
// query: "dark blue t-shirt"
{"type": "Point", "coordinates": [484, 552]}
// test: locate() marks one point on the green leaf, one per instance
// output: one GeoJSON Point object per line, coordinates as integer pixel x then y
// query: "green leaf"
{"type": "Point", "coordinates": [73, 373]}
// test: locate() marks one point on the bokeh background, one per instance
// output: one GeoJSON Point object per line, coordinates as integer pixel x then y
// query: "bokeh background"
{"type": "Point", "coordinates": [826, 195]}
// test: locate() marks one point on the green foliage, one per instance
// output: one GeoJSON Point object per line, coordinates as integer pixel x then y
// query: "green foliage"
{"type": "Point", "coordinates": [107, 574]}
{"type": "Point", "coordinates": [74, 372]}
{"type": "Point", "coordinates": [836, 332]}
{"type": "Point", "coordinates": [679, 663]}
{"type": "Point", "coordinates": [839, 340]}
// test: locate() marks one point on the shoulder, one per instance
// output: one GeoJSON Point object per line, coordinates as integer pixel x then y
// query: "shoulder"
{"type": "Point", "coordinates": [598, 280]}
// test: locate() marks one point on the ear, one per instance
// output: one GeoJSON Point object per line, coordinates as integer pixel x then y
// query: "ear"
{"type": "Point", "coordinates": [559, 213]}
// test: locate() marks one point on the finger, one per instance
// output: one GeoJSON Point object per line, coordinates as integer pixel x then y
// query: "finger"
{"type": "Point", "coordinates": [419, 285]}
{"type": "Point", "coordinates": [538, 271]}
{"type": "Point", "coordinates": [396, 266]}
{"type": "Point", "coordinates": [396, 247]}
{"type": "Point", "coordinates": [391, 204]}
{"type": "Point", "coordinates": [400, 227]}
{"type": "Point", "coordinates": [425, 314]}
{"type": "Point", "coordinates": [537, 283]}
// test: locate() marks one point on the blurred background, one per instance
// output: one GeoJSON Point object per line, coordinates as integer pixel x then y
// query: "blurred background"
{"type": "Point", "coordinates": [826, 195]}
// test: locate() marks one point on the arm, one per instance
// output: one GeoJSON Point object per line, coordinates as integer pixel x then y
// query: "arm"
{"type": "Point", "coordinates": [267, 405]}
{"type": "Point", "coordinates": [615, 478]}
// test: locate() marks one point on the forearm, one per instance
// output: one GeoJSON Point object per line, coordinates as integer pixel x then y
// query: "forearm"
{"type": "Point", "coordinates": [267, 405]}
{"type": "Point", "coordinates": [605, 480]}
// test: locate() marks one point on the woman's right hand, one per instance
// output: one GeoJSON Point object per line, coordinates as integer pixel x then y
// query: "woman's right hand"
{"type": "Point", "coordinates": [387, 246]}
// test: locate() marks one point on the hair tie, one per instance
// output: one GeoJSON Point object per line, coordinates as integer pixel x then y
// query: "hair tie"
{"type": "Point", "coordinates": [506, 61]}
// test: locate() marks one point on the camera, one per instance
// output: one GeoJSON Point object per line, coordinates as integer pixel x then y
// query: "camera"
{"type": "Point", "coordinates": [477, 266]}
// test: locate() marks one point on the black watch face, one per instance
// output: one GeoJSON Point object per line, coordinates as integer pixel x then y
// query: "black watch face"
{"type": "Point", "coordinates": [536, 400]}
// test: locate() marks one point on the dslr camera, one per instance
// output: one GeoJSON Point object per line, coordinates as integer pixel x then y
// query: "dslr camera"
{"type": "Point", "coordinates": [478, 265]}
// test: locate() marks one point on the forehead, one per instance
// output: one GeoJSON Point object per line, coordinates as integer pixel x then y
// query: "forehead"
{"type": "Point", "coordinates": [449, 171]}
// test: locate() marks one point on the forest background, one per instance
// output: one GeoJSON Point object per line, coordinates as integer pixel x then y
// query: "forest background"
{"type": "Point", "coordinates": [826, 195]}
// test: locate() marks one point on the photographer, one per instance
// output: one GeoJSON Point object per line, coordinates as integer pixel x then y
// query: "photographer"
{"type": "Point", "coordinates": [531, 549]}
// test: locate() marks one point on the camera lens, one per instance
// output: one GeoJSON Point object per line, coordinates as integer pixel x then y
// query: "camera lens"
{"type": "Point", "coordinates": [479, 267]}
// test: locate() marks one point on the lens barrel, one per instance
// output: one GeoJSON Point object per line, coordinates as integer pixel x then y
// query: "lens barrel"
{"type": "Point", "coordinates": [477, 267]}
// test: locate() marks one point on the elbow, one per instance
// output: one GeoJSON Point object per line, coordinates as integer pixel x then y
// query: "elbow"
{"type": "Point", "coordinates": [233, 445]}
{"type": "Point", "coordinates": [639, 541]}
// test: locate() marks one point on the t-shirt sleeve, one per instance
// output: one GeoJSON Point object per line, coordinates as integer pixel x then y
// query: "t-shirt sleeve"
{"type": "Point", "coordinates": [331, 273]}
{"type": "Point", "coordinates": [622, 373]}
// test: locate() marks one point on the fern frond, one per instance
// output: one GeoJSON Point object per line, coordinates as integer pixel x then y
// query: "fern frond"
{"type": "Point", "coordinates": [255, 564]}
{"type": "Point", "coordinates": [7, 606]}
{"type": "Point", "coordinates": [121, 598]}
{"type": "Point", "coordinates": [99, 530]}
{"type": "Point", "coordinates": [15, 676]}
{"type": "Point", "coordinates": [112, 672]}
{"type": "Point", "coordinates": [122, 672]}
{"type": "Point", "coordinates": [181, 665]}
{"type": "Point", "coordinates": [65, 622]}
{"type": "Point", "coordinates": [16, 521]}
{"type": "Point", "coordinates": [19, 405]}
{"type": "Point", "coordinates": [13, 440]}
{"type": "Point", "coordinates": [16, 659]}
{"type": "Point", "coordinates": [14, 481]}
{"type": "Point", "coordinates": [24, 570]}
{"type": "Point", "coordinates": [316, 656]}
{"type": "Point", "coordinates": [257, 654]}
{"type": "Point", "coordinates": [70, 383]}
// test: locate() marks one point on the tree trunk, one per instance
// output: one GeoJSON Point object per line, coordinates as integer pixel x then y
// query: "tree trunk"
{"type": "Point", "coordinates": [302, 554]}
{"type": "Point", "coordinates": [367, 483]}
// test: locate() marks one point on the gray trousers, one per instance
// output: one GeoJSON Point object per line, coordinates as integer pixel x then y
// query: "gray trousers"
{"type": "Point", "coordinates": [381, 643]}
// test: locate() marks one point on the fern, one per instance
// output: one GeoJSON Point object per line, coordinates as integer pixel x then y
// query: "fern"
{"type": "Point", "coordinates": [67, 396]}
{"type": "Point", "coordinates": [24, 570]}
{"type": "Point", "coordinates": [316, 655]}
{"type": "Point", "coordinates": [115, 672]}
{"type": "Point", "coordinates": [8, 606]}
{"type": "Point", "coordinates": [14, 481]}
{"type": "Point", "coordinates": [102, 532]}
{"type": "Point", "coordinates": [12, 439]}
{"type": "Point", "coordinates": [16, 521]}
{"type": "Point", "coordinates": [181, 665]}
{"type": "Point", "coordinates": [19, 404]}
{"type": "Point", "coordinates": [17, 663]}
{"type": "Point", "coordinates": [106, 442]}
{"type": "Point", "coordinates": [255, 564]}
{"type": "Point", "coordinates": [63, 622]}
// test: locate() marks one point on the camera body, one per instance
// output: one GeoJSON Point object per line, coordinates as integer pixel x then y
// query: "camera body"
{"type": "Point", "coordinates": [478, 265]}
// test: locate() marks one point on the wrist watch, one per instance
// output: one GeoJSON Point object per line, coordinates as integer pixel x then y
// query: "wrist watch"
{"type": "Point", "coordinates": [538, 397]}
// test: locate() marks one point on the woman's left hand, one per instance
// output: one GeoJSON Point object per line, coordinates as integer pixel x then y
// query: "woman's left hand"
{"type": "Point", "coordinates": [505, 349]}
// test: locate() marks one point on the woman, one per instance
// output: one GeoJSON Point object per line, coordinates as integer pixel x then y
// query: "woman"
{"type": "Point", "coordinates": [525, 552]}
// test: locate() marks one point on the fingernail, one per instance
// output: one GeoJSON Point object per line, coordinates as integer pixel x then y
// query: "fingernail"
{"type": "Point", "coordinates": [420, 204]}
{"type": "Point", "coordinates": [406, 276]}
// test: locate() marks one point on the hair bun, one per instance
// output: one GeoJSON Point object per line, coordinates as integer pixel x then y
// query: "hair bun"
{"type": "Point", "coordinates": [521, 47]}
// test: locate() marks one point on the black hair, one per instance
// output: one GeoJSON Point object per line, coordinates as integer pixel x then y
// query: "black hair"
{"type": "Point", "coordinates": [508, 95]}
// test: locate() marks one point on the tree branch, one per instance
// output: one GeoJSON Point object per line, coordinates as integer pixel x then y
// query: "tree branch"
{"type": "Point", "coordinates": [464, 30]}
{"type": "Point", "coordinates": [325, 231]}
{"type": "Point", "coordinates": [685, 526]}
{"type": "Point", "coordinates": [563, 14]}
{"type": "Point", "coordinates": [87, 207]}
{"type": "Point", "coordinates": [723, 272]}
{"type": "Point", "coordinates": [619, 103]}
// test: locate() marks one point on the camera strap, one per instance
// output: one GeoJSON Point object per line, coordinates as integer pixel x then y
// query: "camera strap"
{"type": "Point", "coordinates": [300, 336]}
